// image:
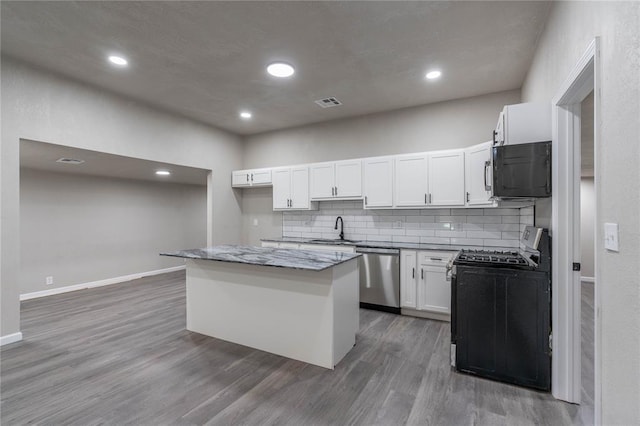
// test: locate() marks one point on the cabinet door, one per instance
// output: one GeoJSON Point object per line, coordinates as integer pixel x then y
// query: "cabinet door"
{"type": "Point", "coordinates": [281, 188]}
{"type": "Point", "coordinates": [240, 178]}
{"type": "Point", "coordinates": [434, 291]}
{"type": "Point", "coordinates": [408, 279]}
{"type": "Point", "coordinates": [498, 134]}
{"type": "Point", "coordinates": [411, 181]}
{"type": "Point", "coordinates": [348, 178]}
{"type": "Point", "coordinates": [378, 182]}
{"type": "Point", "coordinates": [300, 187]}
{"type": "Point", "coordinates": [322, 180]}
{"type": "Point", "coordinates": [446, 178]}
{"type": "Point", "coordinates": [477, 174]}
{"type": "Point", "coordinates": [261, 177]}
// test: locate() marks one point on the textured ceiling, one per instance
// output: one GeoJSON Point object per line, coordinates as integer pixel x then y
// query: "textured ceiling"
{"type": "Point", "coordinates": [206, 60]}
{"type": "Point", "coordinates": [43, 156]}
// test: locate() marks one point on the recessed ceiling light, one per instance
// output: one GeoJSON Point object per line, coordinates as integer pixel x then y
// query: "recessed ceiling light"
{"type": "Point", "coordinates": [163, 172]}
{"type": "Point", "coordinates": [433, 74]}
{"type": "Point", "coordinates": [246, 115]}
{"type": "Point", "coordinates": [118, 60]}
{"type": "Point", "coordinates": [280, 69]}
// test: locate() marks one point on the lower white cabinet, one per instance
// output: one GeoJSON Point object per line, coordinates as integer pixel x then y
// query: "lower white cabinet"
{"type": "Point", "coordinates": [425, 288]}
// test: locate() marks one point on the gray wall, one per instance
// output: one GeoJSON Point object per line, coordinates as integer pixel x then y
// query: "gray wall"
{"type": "Point", "coordinates": [43, 107]}
{"type": "Point", "coordinates": [587, 237]}
{"type": "Point", "coordinates": [81, 229]}
{"type": "Point", "coordinates": [453, 124]}
{"type": "Point", "coordinates": [569, 30]}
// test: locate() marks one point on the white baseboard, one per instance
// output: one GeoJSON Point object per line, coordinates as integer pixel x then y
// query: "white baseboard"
{"type": "Point", "coordinates": [108, 281]}
{"type": "Point", "coordinates": [588, 279]}
{"type": "Point", "coordinates": [10, 338]}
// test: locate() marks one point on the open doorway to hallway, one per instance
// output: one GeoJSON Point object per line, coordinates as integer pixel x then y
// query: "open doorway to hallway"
{"type": "Point", "coordinates": [587, 248]}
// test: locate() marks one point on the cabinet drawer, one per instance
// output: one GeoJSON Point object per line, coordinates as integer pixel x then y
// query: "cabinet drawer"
{"type": "Point", "coordinates": [434, 257]}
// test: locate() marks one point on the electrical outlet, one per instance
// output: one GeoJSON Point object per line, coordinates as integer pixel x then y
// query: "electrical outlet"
{"type": "Point", "coordinates": [49, 280]}
{"type": "Point", "coordinates": [611, 236]}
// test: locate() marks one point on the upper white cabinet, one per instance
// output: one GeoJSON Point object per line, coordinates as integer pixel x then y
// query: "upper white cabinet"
{"type": "Point", "coordinates": [478, 174]}
{"type": "Point", "coordinates": [523, 123]}
{"type": "Point", "coordinates": [378, 182]}
{"type": "Point", "coordinates": [254, 177]}
{"type": "Point", "coordinates": [336, 180]}
{"type": "Point", "coordinates": [411, 188]}
{"type": "Point", "coordinates": [291, 188]}
{"type": "Point", "coordinates": [446, 178]}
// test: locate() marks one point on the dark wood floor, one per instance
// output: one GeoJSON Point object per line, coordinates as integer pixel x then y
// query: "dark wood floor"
{"type": "Point", "coordinates": [121, 355]}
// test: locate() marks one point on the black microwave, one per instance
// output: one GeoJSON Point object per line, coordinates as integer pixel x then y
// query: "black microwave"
{"type": "Point", "coordinates": [522, 170]}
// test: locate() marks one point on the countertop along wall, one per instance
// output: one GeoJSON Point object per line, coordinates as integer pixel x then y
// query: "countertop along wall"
{"type": "Point", "coordinates": [571, 27]}
{"type": "Point", "coordinates": [444, 125]}
{"type": "Point", "coordinates": [44, 107]}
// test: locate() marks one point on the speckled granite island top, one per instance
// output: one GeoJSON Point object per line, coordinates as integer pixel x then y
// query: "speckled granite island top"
{"type": "Point", "coordinates": [281, 258]}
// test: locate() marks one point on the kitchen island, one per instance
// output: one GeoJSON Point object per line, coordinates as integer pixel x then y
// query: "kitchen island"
{"type": "Point", "coordinates": [301, 304]}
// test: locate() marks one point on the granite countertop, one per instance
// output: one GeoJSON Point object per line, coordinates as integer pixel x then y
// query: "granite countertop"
{"type": "Point", "coordinates": [378, 244]}
{"type": "Point", "coordinates": [309, 260]}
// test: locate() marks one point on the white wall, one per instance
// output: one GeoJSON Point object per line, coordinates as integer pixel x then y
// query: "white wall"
{"type": "Point", "coordinates": [587, 217]}
{"type": "Point", "coordinates": [569, 30]}
{"type": "Point", "coordinates": [453, 124]}
{"type": "Point", "coordinates": [81, 229]}
{"type": "Point", "coordinates": [43, 107]}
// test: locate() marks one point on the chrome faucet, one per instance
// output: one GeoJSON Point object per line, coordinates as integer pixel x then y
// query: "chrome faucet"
{"type": "Point", "coordinates": [341, 227]}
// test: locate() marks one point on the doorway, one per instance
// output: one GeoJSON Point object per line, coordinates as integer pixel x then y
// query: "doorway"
{"type": "Point", "coordinates": [566, 231]}
{"type": "Point", "coordinates": [587, 258]}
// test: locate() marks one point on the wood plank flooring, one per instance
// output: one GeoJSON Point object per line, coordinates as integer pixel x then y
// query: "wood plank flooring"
{"type": "Point", "coordinates": [121, 355]}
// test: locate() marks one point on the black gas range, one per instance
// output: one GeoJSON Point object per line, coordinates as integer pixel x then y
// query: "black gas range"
{"type": "Point", "coordinates": [501, 312]}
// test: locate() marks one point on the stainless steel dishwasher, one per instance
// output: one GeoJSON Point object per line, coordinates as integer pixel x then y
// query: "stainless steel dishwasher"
{"type": "Point", "coordinates": [379, 279]}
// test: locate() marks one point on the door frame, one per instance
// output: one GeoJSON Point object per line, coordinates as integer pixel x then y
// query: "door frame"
{"type": "Point", "coordinates": [566, 290]}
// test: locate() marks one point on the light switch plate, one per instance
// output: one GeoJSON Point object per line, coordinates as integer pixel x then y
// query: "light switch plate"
{"type": "Point", "coordinates": [611, 236]}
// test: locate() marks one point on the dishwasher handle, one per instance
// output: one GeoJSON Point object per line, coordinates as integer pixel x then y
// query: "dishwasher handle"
{"type": "Point", "coordinates": [368, 250]}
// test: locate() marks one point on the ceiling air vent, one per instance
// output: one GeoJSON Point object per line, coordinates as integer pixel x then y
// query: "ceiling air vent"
{"type": "Point", "coordinates": [69, 161]}
{"type": "Point", "coordinates": [328, 102]}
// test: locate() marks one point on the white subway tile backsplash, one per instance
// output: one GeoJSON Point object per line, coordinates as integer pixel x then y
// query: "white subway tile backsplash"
{"type": "Point", "coordinates": [489, 227]}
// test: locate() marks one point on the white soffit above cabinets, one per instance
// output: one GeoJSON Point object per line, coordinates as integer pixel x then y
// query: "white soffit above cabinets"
{"type": "Point", "coordinates": [206, 60]}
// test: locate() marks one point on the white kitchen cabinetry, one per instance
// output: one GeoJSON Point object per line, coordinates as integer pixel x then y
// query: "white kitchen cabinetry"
{"type": "Point", "coordinates": [425, 288]}
{"type": "Point", "coordinates": [378, 182]}
{"type": "Point", "coordinates": [446, 178]}
{"type": "Point", "coordinates": [478, 175]}
{"type": "Point", "coordinates": [408, 281]}
{"type": "Point", "coordinates": [523, 123]}
{"type": "Point", "coordinates": [336, 180]}
{"type": "Point", "coordinates": [254, 177]}
{"type": "Point", "coordinates": [291, 188]}
{"type": "Point", "coordinates": [411, 188]}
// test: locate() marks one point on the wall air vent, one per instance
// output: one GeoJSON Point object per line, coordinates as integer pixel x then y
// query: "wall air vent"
{"type": "Point", "coordinates": [328, 102]}
{"type": "Point", "coordinates": [69, 161]}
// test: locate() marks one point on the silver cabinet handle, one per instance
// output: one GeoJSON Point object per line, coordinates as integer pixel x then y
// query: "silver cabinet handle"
{"type": "Point", "coordinates": [436, 258]}
{"type": "Point", "coordinates": [429, 198]}
{"type": "Point", "coordinates": [413, 273]}
{"type": "Point", "coordinates": [487, 187]}
{"type": "Point", "coordinates": [425, 198]}
{"type": "Point", "coordinates": [336, 190]}
{"type": "Point", "coordinates": [247, 177]}
{"type": "Point", "coordinates": [421, 274]}
{"type": "Point", "coordinates": [251, 177]}
{"type": "Point", "coordinates": [365, 200]}
{"type": "Point", "coordinates": [467, 197]}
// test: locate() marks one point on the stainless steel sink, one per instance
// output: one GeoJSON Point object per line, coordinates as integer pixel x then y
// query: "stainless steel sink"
{"type": "Point", "coordinates": [330, 241]}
